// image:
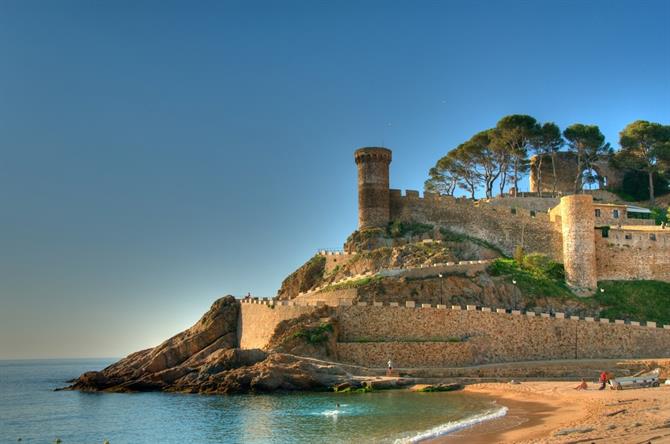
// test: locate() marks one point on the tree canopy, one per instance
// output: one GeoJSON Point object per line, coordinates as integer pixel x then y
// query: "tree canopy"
{"type": "Point", "coordinates": [588, 143]}
{"type": "Point", "coordinates": [500, 155]}
{"type": "Point", "coordinates": [645, 146]}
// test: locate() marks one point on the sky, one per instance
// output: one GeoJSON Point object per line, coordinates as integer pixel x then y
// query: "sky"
{"type": "Point", "coordinates": [156, 155]}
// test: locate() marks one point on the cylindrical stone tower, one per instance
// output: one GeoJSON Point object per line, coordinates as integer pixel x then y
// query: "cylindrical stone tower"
{"type": "Point", "coordinates": [579, 248]}
{"type": "Point", "coordinates": [373, 186]}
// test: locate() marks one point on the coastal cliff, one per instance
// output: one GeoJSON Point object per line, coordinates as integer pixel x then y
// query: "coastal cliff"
{"type": "Point", "coordinates": [204, 359]}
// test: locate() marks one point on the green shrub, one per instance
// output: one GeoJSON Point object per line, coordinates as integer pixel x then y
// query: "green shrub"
{"type": "Point", "coordinates": [315, 335]}
{"type": "Point", "coordinates": [540, 277]}
{"type": "Point", "coordinates": [660, 215]}
{"type": "Point", "coordinates": [543, 265]}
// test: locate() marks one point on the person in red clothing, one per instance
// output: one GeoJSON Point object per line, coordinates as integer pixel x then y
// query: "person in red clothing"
{"type": "Point", "coordinates": [603, 380]}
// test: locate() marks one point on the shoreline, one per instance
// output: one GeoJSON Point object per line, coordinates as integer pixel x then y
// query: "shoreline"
{"type": "Point", "coordinates": [553, 412]}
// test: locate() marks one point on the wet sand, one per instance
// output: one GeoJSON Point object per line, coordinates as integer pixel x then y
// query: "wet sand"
{"type": "Point", "coordinates": [553, 412]}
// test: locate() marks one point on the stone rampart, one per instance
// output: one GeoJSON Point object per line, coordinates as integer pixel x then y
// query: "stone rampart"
{"type": "Point", "coordinates": [258, 320]}
{"type": "Point", "coordinates": [579, 255]}
{"type": "Point", "coordinates": [334, 259]}
{"type": "Point", "coordinates": [633, 254]}
{"type": "Point", "coordinates": [418, 337]}
{"type": "Point", "coordinates": [415, 335]}
{"type": "Point", "coordinates": [501, 226]}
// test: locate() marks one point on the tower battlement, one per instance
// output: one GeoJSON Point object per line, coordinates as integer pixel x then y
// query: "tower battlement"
{"type": "Point", "coordinates": [373, 186]}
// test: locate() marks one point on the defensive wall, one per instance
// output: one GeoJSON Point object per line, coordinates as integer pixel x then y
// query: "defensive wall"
{"type": "Point", "coordinates": [502, 226]}
{"type": "Point", "coordinates": [334, 259]}
{"type": "Point", "coordinates": [633, 253]}
{"type": "Point", "coordinates": [257, 321]}
{"type": "Point", "coordinates": [440, 336]}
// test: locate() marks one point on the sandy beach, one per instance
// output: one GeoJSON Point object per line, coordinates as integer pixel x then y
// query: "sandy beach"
{"type": "Point", "coordinates": [553, 412]}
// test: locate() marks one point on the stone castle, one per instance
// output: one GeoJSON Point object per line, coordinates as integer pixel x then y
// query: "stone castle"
{"type": "Point", "coordinates": [595, 240]}
{"type": "Point", "coordinates": [593, 237]}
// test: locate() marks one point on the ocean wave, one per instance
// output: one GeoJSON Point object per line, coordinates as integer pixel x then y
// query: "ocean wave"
{"type": "Point", "coordinates": [453, 426]}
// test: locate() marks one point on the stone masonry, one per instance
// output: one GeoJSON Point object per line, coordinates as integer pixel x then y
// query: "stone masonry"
{"type": "Point", "coordinates": [373, 186]}
{"type": "Point", "coordinates": [430, 336]}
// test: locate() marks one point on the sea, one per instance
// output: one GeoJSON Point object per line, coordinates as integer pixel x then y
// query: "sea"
{"type": "Point", "coordinates": [32, 412]}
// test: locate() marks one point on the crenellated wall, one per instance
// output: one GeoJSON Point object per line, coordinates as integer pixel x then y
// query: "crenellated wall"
{"type": "Point", "coordinates": [438, 336]}
{"type": "Point", "coordinates": [503, 226]}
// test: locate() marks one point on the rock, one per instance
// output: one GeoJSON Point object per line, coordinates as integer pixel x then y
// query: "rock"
{"type": "Point", "coordinates": [564, 432]}
{"type": "Point", "coordinates": [203, 359]}
{"type": "Point", "coordinates": [303, 279]}
{"type": "Point", "coordinates": [160, 367]}
{"type": "Point", "coordinates": [436, 387]}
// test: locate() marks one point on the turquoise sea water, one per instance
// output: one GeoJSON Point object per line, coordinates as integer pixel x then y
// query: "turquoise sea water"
{"type": "Point", "coordinates": [32, 411]}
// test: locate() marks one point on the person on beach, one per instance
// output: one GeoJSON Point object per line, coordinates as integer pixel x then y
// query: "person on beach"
{"type": "Point", "coordinates": [603, 380]}
{"type": "Point", "coordinates": [389, 370]}
{"type": "Point", "coordinates": [582, 385]}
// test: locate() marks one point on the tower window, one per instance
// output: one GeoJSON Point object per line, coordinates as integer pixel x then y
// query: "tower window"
{"type": "Point", "coordinates": [513, 210]}
{"type": "Point", "coordinates": [628, 236]}
{"type": "Point", "coordinates": [597, 212]}
{"type": "Point", "coordinates": [532, 213]}
{"type": "Point", "coordinates": [615, 214]}
{"type": "Point", "coordinates": [652, 236]}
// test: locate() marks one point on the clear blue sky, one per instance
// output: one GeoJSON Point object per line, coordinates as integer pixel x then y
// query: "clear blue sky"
{"type": "Point", "coordinates": [157, 155]}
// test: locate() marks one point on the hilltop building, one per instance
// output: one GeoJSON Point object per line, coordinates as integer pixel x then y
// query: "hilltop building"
{"type": "Point", "coordinates": [595, 240]}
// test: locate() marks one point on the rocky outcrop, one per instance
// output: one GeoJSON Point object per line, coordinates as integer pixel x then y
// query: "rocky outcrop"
{"type": "Point", "coordinates": [304, 278]}
{"type": "Point", "coordinates": [204, 359]}
{"type": "Point", "coordinates": [313, 335]}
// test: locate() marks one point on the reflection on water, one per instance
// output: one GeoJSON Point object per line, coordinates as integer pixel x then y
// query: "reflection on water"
{"type": "Point", "coordinates": [31, 410]}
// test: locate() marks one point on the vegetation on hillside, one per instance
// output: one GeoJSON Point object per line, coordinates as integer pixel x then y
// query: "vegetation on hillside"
{"type": "Point", "coordinates": [536, 275]}
{"type": "Point", "coordinates": [315, 335]}
{"type": "Point", "coordinates": [635, 300]}
{"type": "Point", "coordinates": [398, 229]}
{"type": "Point", "coordinates": [451, 236]}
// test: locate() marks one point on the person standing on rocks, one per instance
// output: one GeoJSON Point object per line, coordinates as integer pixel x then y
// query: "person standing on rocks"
{"type": "Point", "coordinates": [389, 370]}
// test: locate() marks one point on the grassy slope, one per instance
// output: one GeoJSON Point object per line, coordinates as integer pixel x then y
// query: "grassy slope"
{"type": "Point", "coordinates": [635, 300]}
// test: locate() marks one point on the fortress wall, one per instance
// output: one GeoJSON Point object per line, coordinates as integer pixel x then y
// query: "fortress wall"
{"type": "Point", "coordinates": [440, 337]}
{"type": "Point", "coordinates": [334, 259]}
{"type": "Point", "coordinates": [331, 298]}
{"type": "Point", "coordinates": [257, 322]}
{"type": "Point", "coordinates": [499, 225]}
{"type": "Point", "coordinates": [404, 354]}
{"type": "Point", "coordinates": [639, 257]}
{"type": "Point", "coordinates": [579, 255]}
{"type": "Point", "coordinates": [539, 204]}
{"type": "Point", "coordinates": [416, 337]}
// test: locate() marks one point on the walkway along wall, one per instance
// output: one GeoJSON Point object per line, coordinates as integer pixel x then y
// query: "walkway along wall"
{"type": "Point", "coordinates": [452, 337]}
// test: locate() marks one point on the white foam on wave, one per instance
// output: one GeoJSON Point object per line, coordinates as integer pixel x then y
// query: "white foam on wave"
{"type": "Point", "coordinates": [454, 426]}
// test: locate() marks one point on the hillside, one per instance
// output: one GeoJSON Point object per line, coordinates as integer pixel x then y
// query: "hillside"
{"type": "Point", "coordinates": [533, 284]}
